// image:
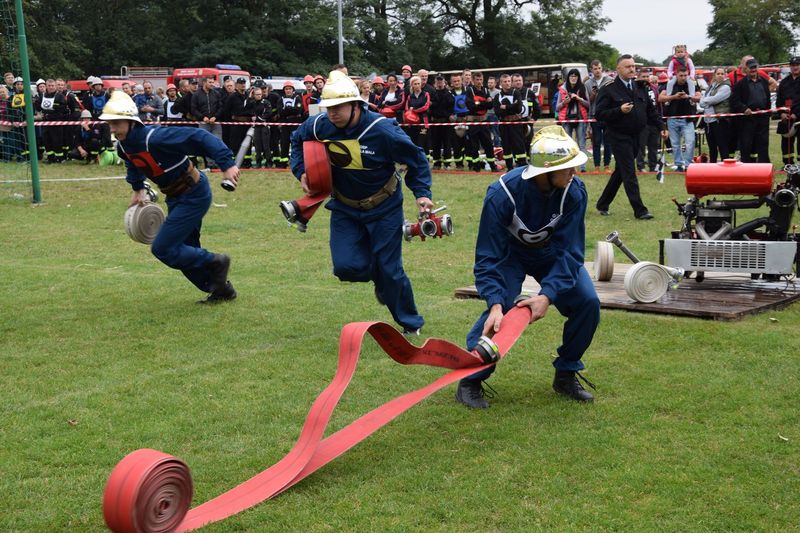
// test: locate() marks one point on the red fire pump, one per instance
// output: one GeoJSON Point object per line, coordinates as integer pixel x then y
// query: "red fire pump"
{"type": "Point", "coordinates": [711, 238]}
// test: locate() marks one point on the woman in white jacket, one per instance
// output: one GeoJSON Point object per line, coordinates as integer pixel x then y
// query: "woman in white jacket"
{"type": "Point", "coordinates": [715, 101]}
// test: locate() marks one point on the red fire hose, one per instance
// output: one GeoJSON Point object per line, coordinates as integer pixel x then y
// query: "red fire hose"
{"type": "Point", "coordinates": [151, 491]}
{"type": "Point", "coordinates": [319, 179]}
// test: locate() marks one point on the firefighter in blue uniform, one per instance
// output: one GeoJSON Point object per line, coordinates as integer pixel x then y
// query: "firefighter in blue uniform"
{"type": "Point", "coordinates": [458, 134]}
{"type": "Point", "coordinates": [532, 223]}
{"type": "Point", "coordinates": [96, 98]}
{"type": "Point", "coordinates": [160, 154]}
{"type": "Point", "coordinates": [367, 200]}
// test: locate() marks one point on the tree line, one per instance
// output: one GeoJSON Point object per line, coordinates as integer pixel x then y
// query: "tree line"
{"type": "Point", "coordinates": [74, 38]}
{"type": "Point", "coordinates": [282, 37]}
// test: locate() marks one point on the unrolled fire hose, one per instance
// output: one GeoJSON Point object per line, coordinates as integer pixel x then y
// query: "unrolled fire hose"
{"type": "Point", "coordinates": [151, 491]}
{"type": "Point", "coordinates": [645, 282]}
{"type": "Point", "coordinates": [142, 222]}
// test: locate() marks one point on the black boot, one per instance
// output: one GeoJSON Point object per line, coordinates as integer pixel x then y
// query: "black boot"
{"type": "Point", "coordinates": [566, 383]}
{"type": "Point", "coordinates": [471, 393]}
{"type": "Point", "coordinates": [226, 293]}
{"type": "Point", "coordinates": [218, 268]}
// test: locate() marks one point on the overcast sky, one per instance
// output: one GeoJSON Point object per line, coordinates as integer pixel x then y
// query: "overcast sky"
{"type": "Point", "coordinates": [651, 28]}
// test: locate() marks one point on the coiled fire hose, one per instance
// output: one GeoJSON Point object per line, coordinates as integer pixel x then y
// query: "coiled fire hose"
{"type": "Point", "coordinates": [142, 222]}
{"type": "Point", "coordinates": [319, 178]}
{"type": "Point", "coordinates": [151, 491]}
{"type": "Point", "coordinates": [646, 282]}
{"type": "Point", "coordinates": [604, 261]}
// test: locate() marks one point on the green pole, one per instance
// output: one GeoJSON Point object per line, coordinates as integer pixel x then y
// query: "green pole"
{"type": "Point", "coordinates": [33, 153]}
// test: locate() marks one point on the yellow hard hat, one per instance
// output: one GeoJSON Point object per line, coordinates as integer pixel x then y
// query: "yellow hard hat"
{"type": "Point", "coordinates": [552, 149]}
{"type": "Point", "coordinates": [338, 90]}
{"type": "Point", "coordinates": [120, 107]}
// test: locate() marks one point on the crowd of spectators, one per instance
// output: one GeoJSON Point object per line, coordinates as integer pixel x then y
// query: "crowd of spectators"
{"type": "Point", "coordinates": [462, 101]}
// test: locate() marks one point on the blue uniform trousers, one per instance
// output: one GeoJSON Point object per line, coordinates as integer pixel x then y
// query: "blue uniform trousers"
{"type": "Point", "coordinates": [367, 245]}
{"type": "Point", "coordinates": [177, 244]}
{"type": "Point", "coordinates": [580, 305]}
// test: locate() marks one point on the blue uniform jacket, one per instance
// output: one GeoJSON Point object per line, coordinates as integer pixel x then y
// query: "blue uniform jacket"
{"type": "Point", "coordinates": [362, 166]}
{"type": "Point", "coordinates": [160, 153]}
{"type": "Point", "coordinates": [496, 246]}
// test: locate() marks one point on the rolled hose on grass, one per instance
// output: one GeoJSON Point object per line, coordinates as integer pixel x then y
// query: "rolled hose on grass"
{"type": "Point", "coordinates": [151, 491]}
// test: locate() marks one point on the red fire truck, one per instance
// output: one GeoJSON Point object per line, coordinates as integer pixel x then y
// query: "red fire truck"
{"type": "Point", "coordinates": [219, 72]}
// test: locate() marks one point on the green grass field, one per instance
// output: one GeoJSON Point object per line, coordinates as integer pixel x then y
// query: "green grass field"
{"type": "Point", "coordinates": [695, 426]}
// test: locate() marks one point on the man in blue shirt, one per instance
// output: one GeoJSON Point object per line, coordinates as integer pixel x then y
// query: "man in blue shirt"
{"type": "Point", "coordinates": [160, 154]}
{"type": "Point", "coordinates": [532, 223]}
{"type": "Point", "coordinates": [367, 201]}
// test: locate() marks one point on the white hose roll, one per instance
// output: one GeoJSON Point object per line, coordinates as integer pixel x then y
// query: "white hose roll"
{"type": "Point", "coordinates": [604, 261]}
{"type": "Point", "coordinates": [142, 222]}
{"type": "Point", "coordinates": [646, 282]}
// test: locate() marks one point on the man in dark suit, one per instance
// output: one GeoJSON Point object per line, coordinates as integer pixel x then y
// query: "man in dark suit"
{"type": "Point", "coordinates": [626, 109]}
{"type": "Point", "coordinates": [750, 94]}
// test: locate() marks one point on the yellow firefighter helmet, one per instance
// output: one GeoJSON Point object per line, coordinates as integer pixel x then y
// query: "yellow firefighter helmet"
{"type": "Point", "coordinates": [120, 107]}
{"type": "Point", "coordinates": [338, 90]}
{"type": "Point", "coordinates": [552, 149]}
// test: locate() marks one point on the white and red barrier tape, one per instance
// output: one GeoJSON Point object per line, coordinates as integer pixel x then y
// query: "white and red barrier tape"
{"type": "Point", "coordinates": [450, 124]}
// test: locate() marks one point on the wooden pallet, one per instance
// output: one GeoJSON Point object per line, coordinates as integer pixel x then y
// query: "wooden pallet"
{"type": "Point", "coordinates": [720, 296]}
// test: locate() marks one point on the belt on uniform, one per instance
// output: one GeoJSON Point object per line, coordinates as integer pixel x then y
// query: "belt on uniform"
{"type": "Point", "coordinates": [182, 183]}
{"type": "Point", "coordinates": [370, 202]}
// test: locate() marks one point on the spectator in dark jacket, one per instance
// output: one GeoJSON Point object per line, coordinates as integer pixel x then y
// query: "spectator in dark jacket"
{"type": "Point", "coordinates": [226, 91]}
{"type": "Point", "coordinates": [207, 107]}
{"type": "Point", "coordinates": [374, 101]}
{"type": "Point", "coordinates": [789, 96]}
{"type": "Point", "coordinates": [183, 104]}
{"type": "Point", "coordinates": [626, 109]}
{"type": "Point", "coordinates": [274, 100]}
{"type": "Point", "coordinates": [235, 105]}
{"type": "Point", "coordinates": [440, 110]}
{"type": "Point", "coordinates": [261, 111]}
{"type": "Point", "coordinates": [508, 107]}
{"type": "Point", "coordinates": [290, 110]}
{"type": "Point", "coordinates": [749, 94]}
{"type": "Point", "coordinates": [417, 105]}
